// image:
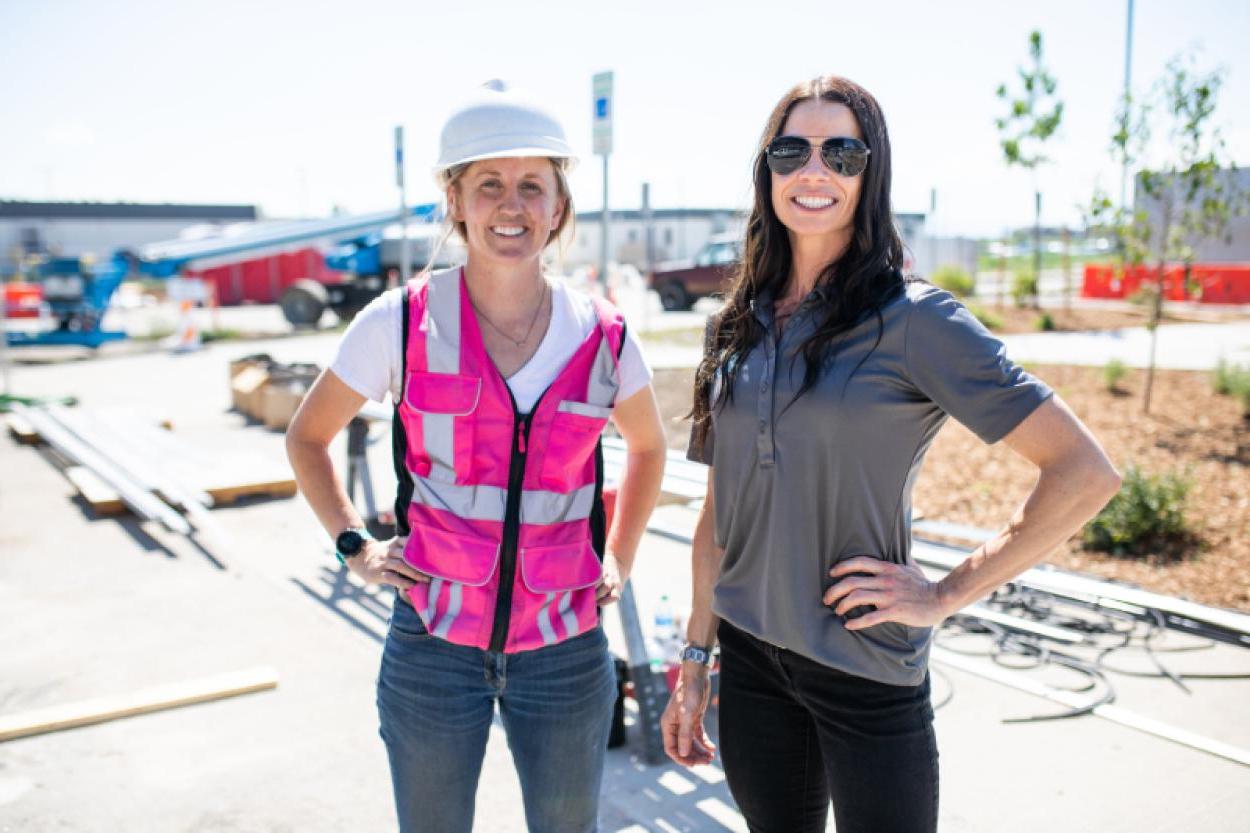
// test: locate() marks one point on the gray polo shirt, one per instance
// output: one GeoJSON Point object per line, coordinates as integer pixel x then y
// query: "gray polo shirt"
{"type": "Point", "coordinates": [802, 485]}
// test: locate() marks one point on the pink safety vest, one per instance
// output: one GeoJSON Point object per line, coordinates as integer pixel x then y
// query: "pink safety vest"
{"type": "Point", "coordinates": [501, 504]}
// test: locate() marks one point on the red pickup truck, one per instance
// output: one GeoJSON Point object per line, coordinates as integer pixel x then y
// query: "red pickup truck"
{"type": "Point", "coordinates": [679, 285]}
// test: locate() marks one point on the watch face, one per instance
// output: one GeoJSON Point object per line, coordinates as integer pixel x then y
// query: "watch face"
{"type": "Point", "coordinates": [349, 543]}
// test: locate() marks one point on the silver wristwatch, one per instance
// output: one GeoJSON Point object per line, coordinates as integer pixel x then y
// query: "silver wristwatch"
{"type": "Point", "coordinates": [697, 653]}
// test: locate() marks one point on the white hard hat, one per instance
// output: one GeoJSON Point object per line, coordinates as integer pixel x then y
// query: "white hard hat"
{"type": "Point", "coordinates": [497, 122]}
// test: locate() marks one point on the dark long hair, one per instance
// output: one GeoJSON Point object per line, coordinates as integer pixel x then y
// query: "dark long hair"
{"type": "Point", "coordinates": [859, 283]}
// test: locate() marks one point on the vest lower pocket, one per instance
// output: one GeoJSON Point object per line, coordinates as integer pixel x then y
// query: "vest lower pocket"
{"type": "Point", "coordinates": [560, 567]}
{"type": "Point", "coordinates": [454, 556]}
{"type": "Point", "coordinates": [452, 604]}
{"type": "Point", "coordinates": [555, 600]}
{"type": "Point", "coordinates": [574, 431]}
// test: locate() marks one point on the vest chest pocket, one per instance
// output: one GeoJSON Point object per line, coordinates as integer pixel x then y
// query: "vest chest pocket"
{"type": "Point", "coordinates": [441, 433]}
{"type": "Point", "coordinates": [574, 431]}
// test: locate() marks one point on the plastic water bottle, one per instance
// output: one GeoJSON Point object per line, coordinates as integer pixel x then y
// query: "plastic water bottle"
{"type": "Point", "coordinates": [667, 640]}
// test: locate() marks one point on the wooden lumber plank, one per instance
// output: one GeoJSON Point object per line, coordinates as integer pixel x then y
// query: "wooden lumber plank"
{"type": "Point", "coordinates": [103, 498]}
{"type": "Point", "coordinates": [225, 478]}
{"type": "Point", "coordinates": [159, 698]}
{"type": "Point", "coordinates": [230, 492]}
{"type": "Point", "coordinates": [22, 430]}
{"type": "Point", "coordinates": [68, 445]}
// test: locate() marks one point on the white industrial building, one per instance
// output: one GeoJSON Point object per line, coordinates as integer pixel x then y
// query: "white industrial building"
{"type": "Point", "coordinates": [677, 234]}
{"type": "Point", "coordinates": [75, 229]}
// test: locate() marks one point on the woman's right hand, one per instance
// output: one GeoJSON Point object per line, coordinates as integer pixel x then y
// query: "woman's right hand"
{"type": "Point", "coordinates": [685, 739]}
{"type": "Point", "coordinates": [382, 562]}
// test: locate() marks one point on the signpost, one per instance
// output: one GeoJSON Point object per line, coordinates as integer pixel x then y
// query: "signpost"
{"type": "Point", "coordinates": [602, 129]}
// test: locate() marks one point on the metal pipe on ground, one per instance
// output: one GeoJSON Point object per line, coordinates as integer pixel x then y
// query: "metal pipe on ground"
{"type": "Point", "coordinates": [144, 504]}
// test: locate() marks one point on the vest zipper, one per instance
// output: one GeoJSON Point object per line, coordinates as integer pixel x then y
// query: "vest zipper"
{"type": "Point", "coordinates": [511, 524]}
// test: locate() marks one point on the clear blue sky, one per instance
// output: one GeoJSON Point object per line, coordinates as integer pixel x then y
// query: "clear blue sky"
{"type": "Point", "coordinates": [290, 105]}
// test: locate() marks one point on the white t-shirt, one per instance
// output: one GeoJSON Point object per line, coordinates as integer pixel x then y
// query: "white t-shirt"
{"type": "Point", "coordinates": [370, 355]}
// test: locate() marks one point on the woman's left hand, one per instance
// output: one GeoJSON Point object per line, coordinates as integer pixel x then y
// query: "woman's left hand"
{"type": "Point", "coordinates": [612, 582]}
{"type": "Point", "coordinates": [899, 592]}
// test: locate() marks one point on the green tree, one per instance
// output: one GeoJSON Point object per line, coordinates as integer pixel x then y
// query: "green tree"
{"type": "Point", "coordinates": [1033, 115]}
{"type": "Point", "coordinates": [1190, 183]}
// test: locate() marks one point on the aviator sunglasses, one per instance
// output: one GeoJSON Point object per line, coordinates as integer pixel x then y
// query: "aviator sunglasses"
{"type": "Point", "coordinates": [845, 156]}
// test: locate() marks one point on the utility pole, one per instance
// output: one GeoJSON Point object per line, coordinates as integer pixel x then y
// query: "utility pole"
{"type": "Point", "coordinates": [405, 252]}
{"type": "Point", "coordinates": [1128, 75]}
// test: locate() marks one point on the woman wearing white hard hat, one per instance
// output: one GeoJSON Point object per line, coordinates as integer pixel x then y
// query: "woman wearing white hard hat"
{"type": "Point", "coordinates": [504, 379]}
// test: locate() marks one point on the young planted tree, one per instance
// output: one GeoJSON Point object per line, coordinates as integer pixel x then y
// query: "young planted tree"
{"type": "Point", "coordinates": [1033, 115]}
{"type": "Point", "coordinates": [1188, 190]}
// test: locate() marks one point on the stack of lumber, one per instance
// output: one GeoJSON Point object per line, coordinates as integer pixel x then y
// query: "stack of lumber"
{"type": "Point", "coordinates": [269, 391]}
{"type": "Point", "coordinates": [119, 462]}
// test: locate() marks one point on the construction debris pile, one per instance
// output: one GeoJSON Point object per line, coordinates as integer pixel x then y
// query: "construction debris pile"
{"type": "Point", "coordinates": [119, 461]}
{"type": "Point", "coordinates": [269, 391]}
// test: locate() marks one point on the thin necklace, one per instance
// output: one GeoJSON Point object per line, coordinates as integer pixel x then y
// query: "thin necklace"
{"type": "Point", "coordinates": [537, 310]}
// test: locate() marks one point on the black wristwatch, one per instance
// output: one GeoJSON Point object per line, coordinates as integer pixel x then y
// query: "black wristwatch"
{"type": "Point", "coordinates": [349, 543]}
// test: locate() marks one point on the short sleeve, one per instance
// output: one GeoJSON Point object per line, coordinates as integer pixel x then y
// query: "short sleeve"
{"type": "Point", "coordinates": [953, 360]}
{"type": "Point", "coordinates": [368, 358]}
{"type": "Point", "coordinates": [634, 371]}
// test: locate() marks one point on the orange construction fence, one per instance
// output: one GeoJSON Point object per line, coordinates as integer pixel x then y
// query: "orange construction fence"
{"type": "Point", "coordinates": [1208, 284]}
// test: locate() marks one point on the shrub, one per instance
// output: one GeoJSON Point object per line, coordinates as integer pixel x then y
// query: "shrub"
{"type": "Point", "coordinates": [954, 280]}
{"type": "Point", "coordinates": [1241, 390]}
{"type": "Point", "coordinates": [1234, 380]}
{"type": "Point", "coordinates": [1146, 517]}
{"type": "Point", "coordinates": [1024, 288]}
{"type": "Point", "coordinates": [1045, 323]}
{"type": "Point", "coordinates": [987, 318]}
{"type": "Point", "coordinates": [1222, 382]}
{"type": "Point", "coordinates": [1112, 373]}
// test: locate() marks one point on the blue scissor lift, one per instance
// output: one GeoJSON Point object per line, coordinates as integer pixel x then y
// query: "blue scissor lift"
{"type": "Point", "coordinates": [78, 291]}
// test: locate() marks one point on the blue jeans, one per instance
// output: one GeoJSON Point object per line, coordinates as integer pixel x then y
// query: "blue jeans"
{"type": "Point", "coordinates": [436, 702]}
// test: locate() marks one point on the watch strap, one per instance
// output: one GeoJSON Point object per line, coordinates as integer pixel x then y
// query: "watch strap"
{"type": "Point", "coordinates": [701, 654]}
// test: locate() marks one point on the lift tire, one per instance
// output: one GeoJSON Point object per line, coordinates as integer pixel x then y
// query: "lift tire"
{"type": "Point", "coordinates": [303, 302]}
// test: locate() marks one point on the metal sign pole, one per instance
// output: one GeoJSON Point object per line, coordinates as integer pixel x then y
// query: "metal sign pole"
{"type": "Point", "coordinates": [648, 255]}
{"type": "Point", "coordinates": [603, 225]}
{"type": "Point", "coordinates": [601, 91]}
{"type": "Point", "coordinates": [405, 252]}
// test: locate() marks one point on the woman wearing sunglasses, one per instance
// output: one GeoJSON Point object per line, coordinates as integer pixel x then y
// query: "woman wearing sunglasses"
{"type": "Point", "coordinates": [503, 379]}
{"type": "Point", "coordinates": [826, 375]}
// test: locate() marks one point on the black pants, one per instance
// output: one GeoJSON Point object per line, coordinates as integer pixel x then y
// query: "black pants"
{"type": "Point", "coordinates": [795, 734]}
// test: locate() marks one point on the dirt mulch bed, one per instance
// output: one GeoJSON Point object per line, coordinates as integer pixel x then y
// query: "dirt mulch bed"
{"type": "Point", "coordinates": [1025, 320]}
{"type": "Point", "coordinates": [1190, 429]}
